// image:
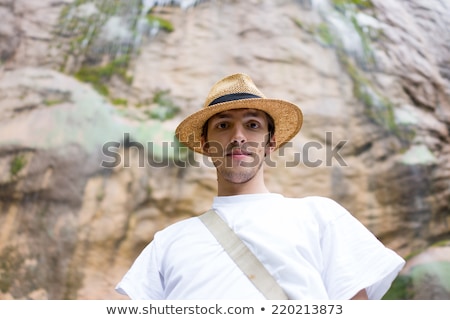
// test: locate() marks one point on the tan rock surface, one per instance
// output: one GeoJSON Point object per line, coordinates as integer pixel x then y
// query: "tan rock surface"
{"type": "Point", "coordinates": [70, 228]}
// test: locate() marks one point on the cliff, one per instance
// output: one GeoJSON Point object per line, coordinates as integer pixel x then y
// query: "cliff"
{"type": "Point", "coordinates": [91, 92]}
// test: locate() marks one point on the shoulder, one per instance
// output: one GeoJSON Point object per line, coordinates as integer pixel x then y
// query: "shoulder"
{"type": "Point", "coordinates": [322, 208]}
{"type": "Point", "coordinates": [187, 228]}
{"type": "Point", "coordinates": [314, 202]}
{"type": "Point", "coordinates": [182, 226]}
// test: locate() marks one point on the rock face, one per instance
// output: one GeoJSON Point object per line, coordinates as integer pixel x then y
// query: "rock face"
{"type": "Point", "coordinates": [89, 171]}
{"type": "Point", "coordinates": [425, 276]}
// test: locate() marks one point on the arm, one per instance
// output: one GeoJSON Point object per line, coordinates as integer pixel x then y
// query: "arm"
{"type": "Point", "coordinates": [361, 295]}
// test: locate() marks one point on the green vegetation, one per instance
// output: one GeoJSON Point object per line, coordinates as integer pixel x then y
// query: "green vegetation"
{"type": "Point", "coordinates": [98, 76]}
{"type": "Point", "coordinates": [443, 243]}
{"type": "Point", "coordinates": [307, 28]}
{"type": "Point", "coordinates": [159, 22]}
{"type": "Point", "coordinates": [401, 289]}
{"type": "Point", "coordinates": [378, 107]}
{"type": "Point", "coordinates": [324, 33]}
{"type": "Point", "coordinates": [362, 4]}
{"type": "Point", "coordinates": [54, 97]}
{"type": "Point", "coordinates": [298, 23]}
{"type": "Point", "coordinates": [436, 273]}
{"type": "Point", "coordinates": [420, 276]}
{"type": "Point", "coordinates": [10, 264]}
{"type": "Point", "coordinates": [17, 164]}
{"type": "Point", "coordinates": [52, 102]}
{"type": "Point", "coordinates": [80, 2]}
{"type": "Point", "coordinates": [166, 108]}
{"type": "Point", "coordinates": [440, 270]}
{"type": "Point", "coordinates": [94, 59]}
{"type": "Point", "coordinates": [365, 41]}
{"type": "Point", "coordinates": [82, 32]}
{"type": "Point", "coordinates": [100, 195]}
{"type": "Point", "coordinates": [119, 101]}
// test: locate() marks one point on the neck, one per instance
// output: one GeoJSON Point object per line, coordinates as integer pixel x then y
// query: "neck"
{"type": "Point", "coordinates": [254, 185]}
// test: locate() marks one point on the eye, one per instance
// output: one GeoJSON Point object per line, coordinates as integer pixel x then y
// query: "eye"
{"type": "Point", "coordinates": [222, 125]}
{"type": "Point", "coordinates": [253, 125]}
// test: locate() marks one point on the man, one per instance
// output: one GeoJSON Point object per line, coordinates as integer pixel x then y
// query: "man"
{"type": "Point", "coordinates": [313, 247]}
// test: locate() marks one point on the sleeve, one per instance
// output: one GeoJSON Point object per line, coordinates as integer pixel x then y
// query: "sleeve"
{"type": "Point", "coordinates": [354, 259]}
{"type": "Point", "coordinates": [143, 280]}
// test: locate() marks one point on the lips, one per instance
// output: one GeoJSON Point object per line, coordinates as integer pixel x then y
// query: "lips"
{"type": "Point", "coordinates": [238, 153]}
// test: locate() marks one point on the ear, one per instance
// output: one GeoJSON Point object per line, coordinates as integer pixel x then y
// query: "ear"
{"type": "Point", "coordinates": [204, 144]}
{"type": "Point", "coordinates": [271, 145]}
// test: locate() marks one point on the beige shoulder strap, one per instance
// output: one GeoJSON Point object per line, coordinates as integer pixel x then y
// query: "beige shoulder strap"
{"type": "Point", "coordinates": [243, 257]}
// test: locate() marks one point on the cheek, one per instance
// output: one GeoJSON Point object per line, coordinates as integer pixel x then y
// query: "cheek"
{"type": "Point", "coordinates": [214, 148]}
{"type": "Point", "coordinates": [258, 141]}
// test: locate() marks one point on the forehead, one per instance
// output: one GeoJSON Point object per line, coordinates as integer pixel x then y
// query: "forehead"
{"type": "Point", "coordinates": [240, 113]}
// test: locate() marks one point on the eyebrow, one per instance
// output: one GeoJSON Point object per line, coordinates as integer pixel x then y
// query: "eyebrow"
{"type": "Point", "coordinates": [248, 114]}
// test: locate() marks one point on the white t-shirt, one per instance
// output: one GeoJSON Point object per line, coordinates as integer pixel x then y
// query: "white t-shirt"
{"type": "Point", "coordinates": [314, 248]}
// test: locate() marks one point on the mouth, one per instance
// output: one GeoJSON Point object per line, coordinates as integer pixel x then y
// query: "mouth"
{"type": "Point", "coordinates": [238, 153]}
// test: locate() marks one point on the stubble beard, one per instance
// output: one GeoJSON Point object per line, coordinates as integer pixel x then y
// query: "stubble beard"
{"type": "Point", "coordinates": [238, 175]}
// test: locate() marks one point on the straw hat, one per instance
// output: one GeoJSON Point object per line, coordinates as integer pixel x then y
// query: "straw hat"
{"type": "Point", "coordinates": [239, 92]}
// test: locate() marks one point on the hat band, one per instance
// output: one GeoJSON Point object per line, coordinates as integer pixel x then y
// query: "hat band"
{"type": "Point", "coordinates": [233, 96]}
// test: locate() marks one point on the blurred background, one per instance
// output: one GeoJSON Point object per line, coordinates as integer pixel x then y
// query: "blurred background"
{"type": "Point", "coordinates": [91, 92]}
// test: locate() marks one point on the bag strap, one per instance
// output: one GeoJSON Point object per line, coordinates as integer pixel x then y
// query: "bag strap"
{"type": "Point", "coordinates": [243, 257]}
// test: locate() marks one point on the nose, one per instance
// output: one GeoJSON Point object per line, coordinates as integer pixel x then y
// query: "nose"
{"type": "Point", "coordinates": [238, 137]}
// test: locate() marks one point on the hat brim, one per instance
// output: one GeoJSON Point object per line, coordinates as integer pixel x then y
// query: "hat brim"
{"type": "Point", "coordinates": [287, 116]}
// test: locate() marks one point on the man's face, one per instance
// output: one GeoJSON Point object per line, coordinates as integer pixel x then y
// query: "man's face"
{"type": "Point", "coordinates": [237, 142]}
